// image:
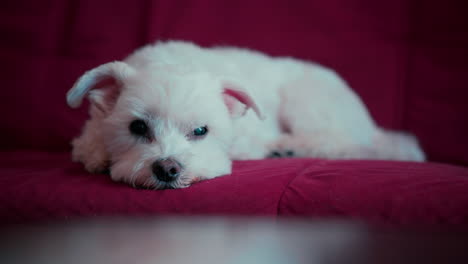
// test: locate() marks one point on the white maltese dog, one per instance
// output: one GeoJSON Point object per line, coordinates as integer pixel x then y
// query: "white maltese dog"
{"type": "Point", "coordinates": [173, 113]}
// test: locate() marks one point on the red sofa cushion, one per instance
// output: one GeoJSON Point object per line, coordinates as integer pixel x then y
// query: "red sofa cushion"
{"type": "Point", "coordinates": [44, 186]}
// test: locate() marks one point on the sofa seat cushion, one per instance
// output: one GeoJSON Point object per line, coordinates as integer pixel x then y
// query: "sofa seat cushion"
{"type": "Point", "coordinates": [42, 186]}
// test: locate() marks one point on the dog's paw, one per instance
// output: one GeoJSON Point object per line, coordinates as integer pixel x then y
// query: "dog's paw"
{"type": "Point", "coordinates": [281, 154]}
{"type": "Point", "coordinates": [286, 146]}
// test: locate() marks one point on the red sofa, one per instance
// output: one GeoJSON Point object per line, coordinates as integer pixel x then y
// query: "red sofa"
{"type": "Point", "coordinates": [408, 60]}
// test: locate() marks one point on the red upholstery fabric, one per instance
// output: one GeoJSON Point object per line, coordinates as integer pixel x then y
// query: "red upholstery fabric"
{"type": "Point", "coordinates": [407, 59]}
{"type": "Point", "coordinates": [51, 187]}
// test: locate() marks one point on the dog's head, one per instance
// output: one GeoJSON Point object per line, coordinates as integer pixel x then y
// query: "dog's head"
{"type": "Point", "coordinates": [159, 126]}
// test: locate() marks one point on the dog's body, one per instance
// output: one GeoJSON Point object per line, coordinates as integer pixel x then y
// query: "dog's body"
{"type": "Point", "coordinates": [174, 113]}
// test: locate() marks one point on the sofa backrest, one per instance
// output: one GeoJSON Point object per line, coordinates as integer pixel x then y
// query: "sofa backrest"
{"type": "Point", "coordinates": [408, 60]}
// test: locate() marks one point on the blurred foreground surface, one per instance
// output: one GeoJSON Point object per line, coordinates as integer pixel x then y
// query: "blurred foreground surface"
{"type": "Point", "coordinates": [219, 240]}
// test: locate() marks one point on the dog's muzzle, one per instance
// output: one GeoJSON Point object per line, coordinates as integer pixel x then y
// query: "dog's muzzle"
{"type": "Point", "coordinates": [166, 170]}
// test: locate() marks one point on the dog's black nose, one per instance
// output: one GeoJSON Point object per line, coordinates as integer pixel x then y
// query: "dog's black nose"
{"type": "Point", "coordinates": [166, 170]}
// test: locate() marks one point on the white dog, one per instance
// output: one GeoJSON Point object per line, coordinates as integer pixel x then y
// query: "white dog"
{"type": "Point", "coordinates": [174, 113]}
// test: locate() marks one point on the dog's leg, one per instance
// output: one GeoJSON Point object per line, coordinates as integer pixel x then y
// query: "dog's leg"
{"type": "Point", "coordinates": [313, 145]}
{"type": "Point", "coordinates": [322, 118]}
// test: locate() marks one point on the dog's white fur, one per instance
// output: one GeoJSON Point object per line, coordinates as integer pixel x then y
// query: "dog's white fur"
{"type": "Point", "coordinates": [297, 107]}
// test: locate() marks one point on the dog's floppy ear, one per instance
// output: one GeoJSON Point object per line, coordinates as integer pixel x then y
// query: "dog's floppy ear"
{"type": "Point", "coordinates": [238, 101]}
{"type": "Point", "coordinates": [102, 85]}
{"type": "Point", "coordinates": [108, 76]}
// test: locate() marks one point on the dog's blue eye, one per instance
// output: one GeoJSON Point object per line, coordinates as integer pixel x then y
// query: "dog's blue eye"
{"type": "Point", "coordinates": [200, 131]}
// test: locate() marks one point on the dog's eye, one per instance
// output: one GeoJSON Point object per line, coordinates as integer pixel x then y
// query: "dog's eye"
{"type": "Point", "coordinates": [200, 131]}
{"type": "Point", "coordinates": [138, 127]}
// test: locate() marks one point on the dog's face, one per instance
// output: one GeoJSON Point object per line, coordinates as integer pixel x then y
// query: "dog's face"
{"type": "Point", "coordinates": [168, 131]}
{"type": "Point", "coordinates": [158, 128]}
